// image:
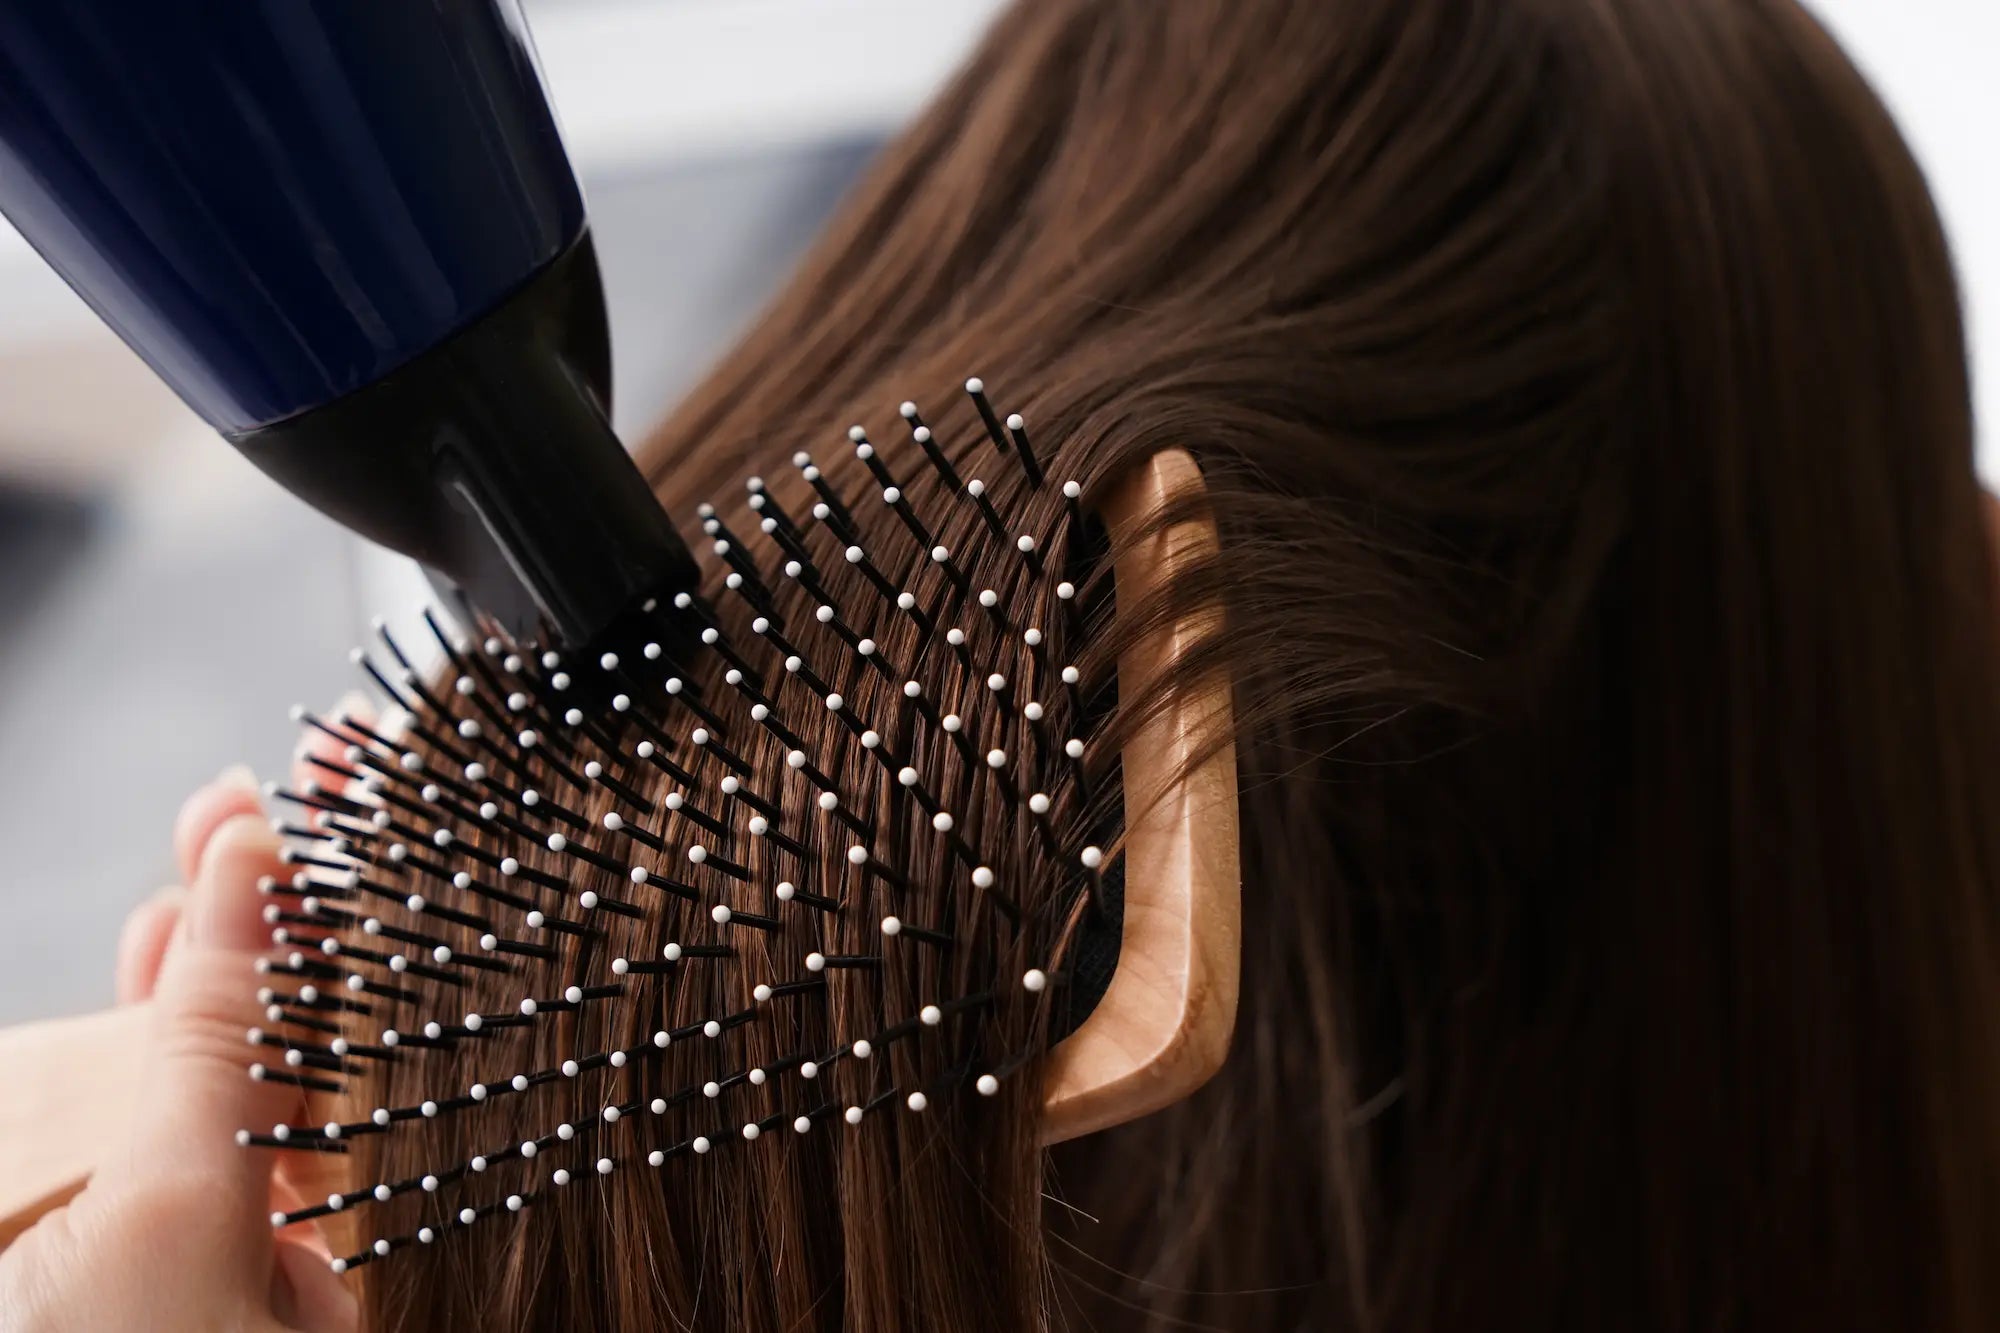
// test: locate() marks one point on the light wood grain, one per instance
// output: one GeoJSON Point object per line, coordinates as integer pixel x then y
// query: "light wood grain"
{"type": "Point", "coordinates": [1161, 1030]}
{"type": "Point", "coordinates": [1163, 1026]}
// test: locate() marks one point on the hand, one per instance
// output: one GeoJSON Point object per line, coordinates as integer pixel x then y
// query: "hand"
{"type": "Point", "coordinates": [173, 1232]}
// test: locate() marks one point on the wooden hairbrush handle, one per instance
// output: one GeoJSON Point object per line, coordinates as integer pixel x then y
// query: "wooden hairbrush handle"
{"type": "Point", "coordinates": [1161, 1030]}
{"type": "Point", "coordinates": [1164, 1024]}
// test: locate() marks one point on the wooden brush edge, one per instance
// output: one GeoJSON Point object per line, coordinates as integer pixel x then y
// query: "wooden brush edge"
{"type": "Point", "coordinates": [1164, 1024]}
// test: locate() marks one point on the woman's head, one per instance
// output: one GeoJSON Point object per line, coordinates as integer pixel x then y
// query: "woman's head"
{"type": "Point", "coordinates": [1580, 395]}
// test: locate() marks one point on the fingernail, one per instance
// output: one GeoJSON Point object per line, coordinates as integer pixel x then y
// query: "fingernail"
{"type": "Point", "coordinates": [352, 705]}
{"type": "Point", "coordinates": [224, 910]}
{"type": "Point", "coordinates": [240, 776]}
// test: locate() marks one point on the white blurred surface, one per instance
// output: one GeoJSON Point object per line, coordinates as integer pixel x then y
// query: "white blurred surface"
{"type": "Point", "coordinates": [158, 627]}
{"type": "Point", "coordinates": [158, 618]}
{"type": "Point", "coordinates": [639, 85]}
{"type": "Point", "coordinates": [1937, 65]}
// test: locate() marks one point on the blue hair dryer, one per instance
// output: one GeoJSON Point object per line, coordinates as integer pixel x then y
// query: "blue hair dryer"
{"type": "Point", "coordinates": [346, 233]}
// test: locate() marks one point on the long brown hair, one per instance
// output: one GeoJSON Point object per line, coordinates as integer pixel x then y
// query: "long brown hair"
{"type": "Point", "coordinates": [1580, 389]}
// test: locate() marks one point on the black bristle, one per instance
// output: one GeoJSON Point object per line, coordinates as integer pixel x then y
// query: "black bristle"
{"type": "Point", "coordinates": [591, 831]}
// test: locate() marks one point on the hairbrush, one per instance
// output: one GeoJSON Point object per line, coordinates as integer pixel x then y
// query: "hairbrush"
{"type": "Point", "coordinates": [778, 924]}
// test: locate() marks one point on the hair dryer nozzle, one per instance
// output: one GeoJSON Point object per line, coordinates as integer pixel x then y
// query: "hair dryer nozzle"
{"type": "Point", "coordinates": [489, 459]}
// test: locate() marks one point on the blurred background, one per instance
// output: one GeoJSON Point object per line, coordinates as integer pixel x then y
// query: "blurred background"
{"type": "Point", "coordinates": [162, 604]}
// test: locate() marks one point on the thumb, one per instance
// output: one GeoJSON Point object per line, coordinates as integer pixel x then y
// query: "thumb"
{"type": "Point", "coordinates": [194, 1076]}
{"type": "Point", "coordinates": [306, 1294]}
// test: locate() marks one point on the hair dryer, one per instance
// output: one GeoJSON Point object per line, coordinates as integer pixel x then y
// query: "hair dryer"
{"type": "Point", "coordinates": [346, 233]}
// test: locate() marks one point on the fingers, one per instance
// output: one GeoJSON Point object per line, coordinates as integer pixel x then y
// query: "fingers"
{"type": "Point", "coordinates": [233, 793]}
{"type": "Point", "coordinates": [193, 1071]}
{"type": "Point", "coordinates": [142, 943]}
{"type": "Point", "coordinates": [316, 744]}
{"type": "Point", "coordinates": [306, 1294]}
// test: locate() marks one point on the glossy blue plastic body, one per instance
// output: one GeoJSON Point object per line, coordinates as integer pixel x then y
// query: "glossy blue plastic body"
{"type": "Point", "coordinates": [276, 202]}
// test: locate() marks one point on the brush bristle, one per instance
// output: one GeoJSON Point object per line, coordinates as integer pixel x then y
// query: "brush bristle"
{"type": "Point", "coordinates": [758, 884]}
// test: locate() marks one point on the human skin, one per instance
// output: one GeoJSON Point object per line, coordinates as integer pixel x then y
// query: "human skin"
{"type": "Point", "coordinates": [173, 1232]}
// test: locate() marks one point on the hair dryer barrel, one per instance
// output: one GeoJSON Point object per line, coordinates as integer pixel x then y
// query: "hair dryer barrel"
{"type": "Point", "coordinates": [348, 236]}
